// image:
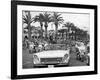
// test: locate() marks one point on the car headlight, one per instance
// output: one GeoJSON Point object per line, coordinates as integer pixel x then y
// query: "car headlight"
{"type": "Point", "coordinates": [65, 58]}
{"type": "Point", "coordinates": [36, 59]}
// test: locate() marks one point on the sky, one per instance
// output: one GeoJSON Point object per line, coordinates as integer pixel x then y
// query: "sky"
{"type": "Point", "coordinates": [79, 19]}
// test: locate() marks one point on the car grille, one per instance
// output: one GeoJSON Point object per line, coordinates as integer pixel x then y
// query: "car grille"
{"type": "Point", "coordinates": [51, 60]}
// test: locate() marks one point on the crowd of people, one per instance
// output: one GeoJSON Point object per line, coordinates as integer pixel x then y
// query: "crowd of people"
{"type": "Point", "coordinates": [35, 45]}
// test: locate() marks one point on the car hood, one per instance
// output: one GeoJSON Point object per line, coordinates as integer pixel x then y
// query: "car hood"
{"type": "Point", "coordinates": [51, 54]}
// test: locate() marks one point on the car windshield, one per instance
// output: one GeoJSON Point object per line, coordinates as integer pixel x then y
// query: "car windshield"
{"type": "Point", "coordinates": [56, 47]}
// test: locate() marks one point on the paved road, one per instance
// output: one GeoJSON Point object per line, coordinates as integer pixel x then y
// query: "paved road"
{"type": "Point", "coordinates": [27, 59]}
{"type": "Point", "coordinates": [74, 62]}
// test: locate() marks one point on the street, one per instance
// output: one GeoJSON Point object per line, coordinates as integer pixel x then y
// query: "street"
{"type": "Point", "coordinates": [74, 62]}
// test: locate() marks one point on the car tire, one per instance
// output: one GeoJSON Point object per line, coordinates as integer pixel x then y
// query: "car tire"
{"type": "Point", "coordinates": [78, 57]}
{"type": "Point", "coordinates": [88, 61]}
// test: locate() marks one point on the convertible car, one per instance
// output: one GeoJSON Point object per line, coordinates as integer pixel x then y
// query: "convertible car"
{"type": "Point", "coordinates": [51, 58]}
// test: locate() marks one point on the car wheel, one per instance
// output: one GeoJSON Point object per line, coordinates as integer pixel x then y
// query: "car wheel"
{"type": "Point", "coordinates": [82, 59]}
{"type": "Point", "coordinates": [30, 51]}
{"type": "Point", "coordinates": [88, 61]}
{"type": "Point", "coordinates": [78, 57]}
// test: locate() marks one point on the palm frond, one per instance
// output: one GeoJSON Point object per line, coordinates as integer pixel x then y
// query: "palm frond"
{"type": "Point", "coordinates": [56, 18]}
{"type": "Point", "coordinates": [47, 17]}
{"type": "Point", "coordinates": [38, 18]}
{"type": "Point", "coordinates": [25, 20]}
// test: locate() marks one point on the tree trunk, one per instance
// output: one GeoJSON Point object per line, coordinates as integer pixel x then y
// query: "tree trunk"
{"type": "Point", "coordinates": [29, 32]}
{"type": "Point", "coordinates": [56, 30]}
{"type": "Point", "coordinates": [75, 36]}
{"type": "Point", "coordinates": [29, 27]}
{"type": "Point", "coordinates": [46, 30]}
{"type": "Point", "coordinates": [41, 30]}
{"type": "Point", "coordinates": [68, 33]}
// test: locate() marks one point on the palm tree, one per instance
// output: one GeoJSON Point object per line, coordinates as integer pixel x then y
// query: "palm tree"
{"type": "Point", "coordinates": [47, 19]}
{"type": "Point", "coordinates": [80, 34]}
{"type": "Point", "coordinates": [27, 19]}
{"type": "Point", "coordinates": [40, 18]}
{"type": "Point", "coordinates": [69, 26]}
{"type": "Point", "coordinates": [57, 20]}
{"type": "Point", "coordinates": [73, 28]}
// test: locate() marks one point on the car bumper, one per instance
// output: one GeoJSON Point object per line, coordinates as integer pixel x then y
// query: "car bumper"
{"type": "Point", "coordinates": [55, 64]}
{"type": "Point", "coordinates": [47, 65]}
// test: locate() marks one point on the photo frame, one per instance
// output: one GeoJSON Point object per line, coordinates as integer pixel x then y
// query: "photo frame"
{"type": "Point", "coordinates": [24, 55]}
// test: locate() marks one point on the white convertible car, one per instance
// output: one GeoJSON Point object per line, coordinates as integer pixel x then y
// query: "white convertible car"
{"type": "Point", "coordinates": [51, 58]}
